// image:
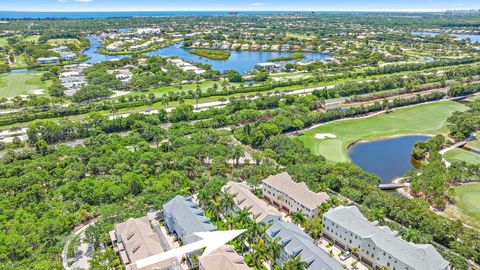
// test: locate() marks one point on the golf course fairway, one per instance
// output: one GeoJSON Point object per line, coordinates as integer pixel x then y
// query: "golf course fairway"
{"type": "Point", "coordinates": [422, 119]}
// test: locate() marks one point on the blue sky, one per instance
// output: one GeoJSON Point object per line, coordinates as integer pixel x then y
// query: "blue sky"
{"type": "Point", "coordinates": [239, 5]}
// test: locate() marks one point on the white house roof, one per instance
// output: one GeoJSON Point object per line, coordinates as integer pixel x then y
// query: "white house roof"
{"type": "Point", "coordinates": [417, 256]}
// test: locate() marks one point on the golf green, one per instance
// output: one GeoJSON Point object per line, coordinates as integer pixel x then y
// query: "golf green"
{"type": "Point", "coordinates": [459, 154]}
{"type": "Point", "coordinates": [422, 119]}
{"type": "Point", "coordinates": [467, 200]}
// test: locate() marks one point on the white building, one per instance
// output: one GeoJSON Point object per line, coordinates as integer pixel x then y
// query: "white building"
{"type": "Point", "coordinates": [270, 67]}
{"type": "Point", "coordinates": [378, 246]}
{"type": "Point", "coordinates": [286, 194]}
{"type": "Point", "coordinates": [259, 210]}
{"type": "Point", "coordinates": [48, 60]}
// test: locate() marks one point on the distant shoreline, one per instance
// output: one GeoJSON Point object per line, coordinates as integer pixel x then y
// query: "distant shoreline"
{"type": "Point", "coordinates": [5, 14]}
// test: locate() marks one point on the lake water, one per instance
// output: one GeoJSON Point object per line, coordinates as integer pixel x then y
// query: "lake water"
{"type": "Point", "coordinates": [242, 61]}
{"type": "Point", "coordinates": [388, 158]}
{"type": "Point", "coordinates": [473, 38]}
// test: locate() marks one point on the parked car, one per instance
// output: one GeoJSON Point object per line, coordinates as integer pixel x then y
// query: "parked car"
{"type": "Point", "coordinates": [345, 255]}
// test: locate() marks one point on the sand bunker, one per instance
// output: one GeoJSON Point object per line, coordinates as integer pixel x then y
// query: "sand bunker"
{"type": "Point", "coordinates": [322, 136]}
{"type": "Point", "coordinates": [36, 91]}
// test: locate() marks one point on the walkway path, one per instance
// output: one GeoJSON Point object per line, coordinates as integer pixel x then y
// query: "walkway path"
{"type": "Point", "coordinates": [458, 144]}
{"type": "Point", "coordinates": [83, 253]}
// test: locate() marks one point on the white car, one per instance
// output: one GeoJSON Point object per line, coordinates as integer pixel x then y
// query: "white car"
{"type": "Point", "coordinates": [345, 255]}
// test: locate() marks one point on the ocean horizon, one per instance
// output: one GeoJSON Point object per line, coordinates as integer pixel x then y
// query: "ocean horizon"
{"type": "Point", "coordinates": [117, 14]}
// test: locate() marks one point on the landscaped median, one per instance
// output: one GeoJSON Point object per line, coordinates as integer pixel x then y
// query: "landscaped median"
{"type": "Point", "coordinates": [422, 119]}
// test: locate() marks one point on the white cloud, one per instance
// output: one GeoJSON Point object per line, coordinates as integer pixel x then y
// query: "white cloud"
{"type": "Point", "coordinates": [257, 4]}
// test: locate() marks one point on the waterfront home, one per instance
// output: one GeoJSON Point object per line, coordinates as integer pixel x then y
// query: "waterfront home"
{"type": "Point", "coordinates": [244, 199]}
{"type": "Point", "coordinates": [134, 240]}
{"type": "Point", "coordinates": [270, 67]}
{"type": "Point", "coordinates": [296, 47]}
{"type": "Point", "coordinates": [245, 47]}
{"type": "Point", "coordinates": [264, 47]}
{"type": "Point", "coordinates": [285, 48]}
{"type": "Point", "coordinates": [68, 56]}
{"type": "Point", "coordinates": [291, 196]}
{"type": "Point", "coordinates": [275, 47]}
{"type": "Point", "coordinates": [255, 47]}
{"type": "Point", "coordinates": [48, 60]}
{"type": "Point", "coordinates": [295, 242]}
{"type": "Point", "coordinates": [226, 45]}
{"type": "Point", "coordinates": [378, 246]}
{"type": "Point", "coordinates": [224, 258]}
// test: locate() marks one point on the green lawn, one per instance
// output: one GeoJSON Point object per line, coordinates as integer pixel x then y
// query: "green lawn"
{"type": "Point", "coordinates": [14, 84]}
{"type": "Point", "coordinates": [474, 143]}
{"type": "Point", "coordinates": [459, 154]}
{"type": "Point", "coordinates": [422, 119]}
{"type": "Point", "coordinates": [467, 198]}
{"type": "Point", "coordinates": [3, 41]}
{"type": "Point", "coordinates": [63, 41]}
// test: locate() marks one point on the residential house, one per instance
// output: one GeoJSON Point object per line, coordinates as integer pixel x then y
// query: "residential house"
{"type": "Point", "coordinates": [296, 47]}
{"type": "Point", "coordinates": [264, 47]}
{"type": "Point", "coordinates": [285, 48]}
{"type": "Point", "coordinates": [184, 218]}
{"type": "Point", "coordinates": [286, 194]}
{"type": "Point", "coordinates": [224, 258]}
{"type": "Point", "coordinates": [259, 210]}
{"type": "Point", "coordinates": [296, 242]}
{"type": "Point", "coordinates": [270, 67]}
{"type": "Point", "coordinates": [68, 56]}
{"type": "Point", "coordinates": [275, 47]}
{"type": "Point", "coordinates": [134, 240]}
{"type": "Point", "coordinates": [48, 60]}
{"type": "Point", "coordinates": [255, 47]}
{"type": "Point", "coordinates": [378, 246]}
{"type": "Point", "coordinates": [245, 47]}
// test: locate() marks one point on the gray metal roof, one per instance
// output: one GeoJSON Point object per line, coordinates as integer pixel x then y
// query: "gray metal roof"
{"type": "Point", "coordinates": [417, 256]}
{"type": "Point", "coordinates": [189, 216]}
{"type": "Point", "coordinates": [297, 243]}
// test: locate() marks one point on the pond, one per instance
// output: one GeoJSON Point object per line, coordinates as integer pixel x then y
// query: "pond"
{"type": "Point", "coordinates": [242, 61]}
{"type": "Point", "coordinates": [388, 158]}
{"type": "Point", "coordinates": [472, 37]}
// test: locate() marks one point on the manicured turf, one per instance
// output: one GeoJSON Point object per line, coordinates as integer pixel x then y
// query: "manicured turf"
{"type": "Point", "coordinates": [459, 154]}
{"type": "Point", "coordinates": [63, 41]}
{"type": "Point", "coordinates": [467, 200]}
{"type": "Point", "coordinates": [14, 84]}
{"type": "Point", "coordinates": [422, 119]}
{"type": "Point", "coordinates": [474, 143]}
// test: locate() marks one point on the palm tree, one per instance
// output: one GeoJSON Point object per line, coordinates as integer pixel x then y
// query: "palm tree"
{"type": "Point", "coordinates": [227, 202]}
{"type": "Point", "coordinates": [214, 208]}
{"type": "Point", "coordinates": [298, 218]}
{"type": "Point", "coordinates": [295, 263]}
{"type": "Point", "coordinates": [242, 219]}
{"type": "Point", "coordinates": [258, 254]}
{"type": "Point", "coordinates": [274, 249]}
{"type": "Point", "coordinates": [203, 197]}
